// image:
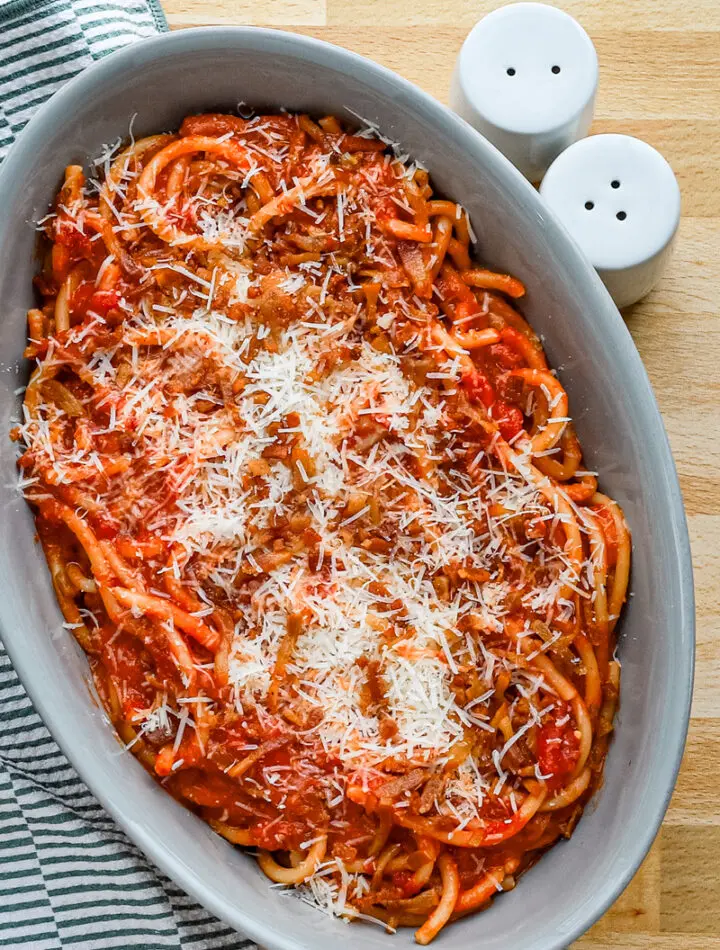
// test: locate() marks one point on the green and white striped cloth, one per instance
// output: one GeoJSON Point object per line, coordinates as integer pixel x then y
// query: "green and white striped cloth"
{"type": "Point", "coordinates": [68, 876]}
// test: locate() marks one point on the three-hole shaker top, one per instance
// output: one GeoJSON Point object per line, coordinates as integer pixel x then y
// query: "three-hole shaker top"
{"type": "Point", "coordinates": [619, 199]}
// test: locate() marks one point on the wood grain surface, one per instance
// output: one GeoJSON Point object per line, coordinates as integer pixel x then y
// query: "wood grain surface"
{"type": "Point", "coordinates": [660, 81]}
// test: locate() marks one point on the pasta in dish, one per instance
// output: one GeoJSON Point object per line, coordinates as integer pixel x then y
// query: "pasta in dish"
{"type": "Point", "coordinates": [313, 505]}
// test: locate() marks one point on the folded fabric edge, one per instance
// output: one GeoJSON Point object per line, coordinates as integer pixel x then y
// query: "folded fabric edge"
{"type": "Point", "coordinates": [16, 8]}
{"type": "Point", "coordinates": [158, 15]}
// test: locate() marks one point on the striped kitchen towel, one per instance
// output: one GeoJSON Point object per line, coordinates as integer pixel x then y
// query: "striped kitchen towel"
{"type": "Point", "coordinates": [68, 876]}
{"type": "Point", "coordinates": [43, 43]}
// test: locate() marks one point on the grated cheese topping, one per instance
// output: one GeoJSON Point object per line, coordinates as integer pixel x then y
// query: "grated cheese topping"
{"type": "Point", "coordinates": [263, 423]}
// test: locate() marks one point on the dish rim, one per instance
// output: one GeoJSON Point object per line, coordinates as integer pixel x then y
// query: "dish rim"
{"type": "Point", "coordinates": [311, 50]}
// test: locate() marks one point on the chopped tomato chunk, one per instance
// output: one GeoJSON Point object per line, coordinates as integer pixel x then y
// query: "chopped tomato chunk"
{"type": "Point", "coordinates": [509, 419]}
{"type": "Point", "coordinates": [558, 746]}
{"type": "Point", "coordinates": [478, 387]}
{"type": "Point", "coordinates": [104, 300]}
{"type": "Point", "coordinates": [72, 237]}
{"type": "Point", "coordinates": [506, 356]}
{"type": "Point", "coordinates": [405, 881]}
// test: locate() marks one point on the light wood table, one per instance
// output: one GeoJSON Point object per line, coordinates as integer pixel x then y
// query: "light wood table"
{"type": "Point", "coordinates": [659, 80]}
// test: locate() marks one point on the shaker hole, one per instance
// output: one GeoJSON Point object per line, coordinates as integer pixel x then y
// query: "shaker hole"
{"type": "Point", "coordinates": [555, 69]}
{"type": "Point", "coordinates": [589, 205]}
{"type": "Point", "coordinates": [621, 215]}
{"type": "Point", "coordinates": [614, 183]}
{"type": "Point", "coordinates": [510, 70]}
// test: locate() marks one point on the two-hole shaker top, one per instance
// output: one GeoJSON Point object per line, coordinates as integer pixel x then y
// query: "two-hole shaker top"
{"type": "Point", "coordinates": [526, 78]}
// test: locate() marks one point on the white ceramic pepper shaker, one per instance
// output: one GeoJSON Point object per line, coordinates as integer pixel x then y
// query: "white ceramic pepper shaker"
{"type": "Point", "coordinates": [526, 78]}
{"type": "Point", "coordinates": [619, 199]}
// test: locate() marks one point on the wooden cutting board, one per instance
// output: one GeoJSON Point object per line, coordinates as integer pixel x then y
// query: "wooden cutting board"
{"type": "Point", "coordinates": [660, 81]}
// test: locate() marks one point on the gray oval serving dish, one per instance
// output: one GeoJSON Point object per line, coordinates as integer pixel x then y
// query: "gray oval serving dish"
{"type": "Point", "coordinates": [161, 80]}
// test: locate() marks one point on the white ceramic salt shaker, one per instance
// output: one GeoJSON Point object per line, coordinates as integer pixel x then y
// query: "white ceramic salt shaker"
{"type": "Point", "coordinates": [526, 78]}
{"type": "Point", "coordinates": [619, 199]}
